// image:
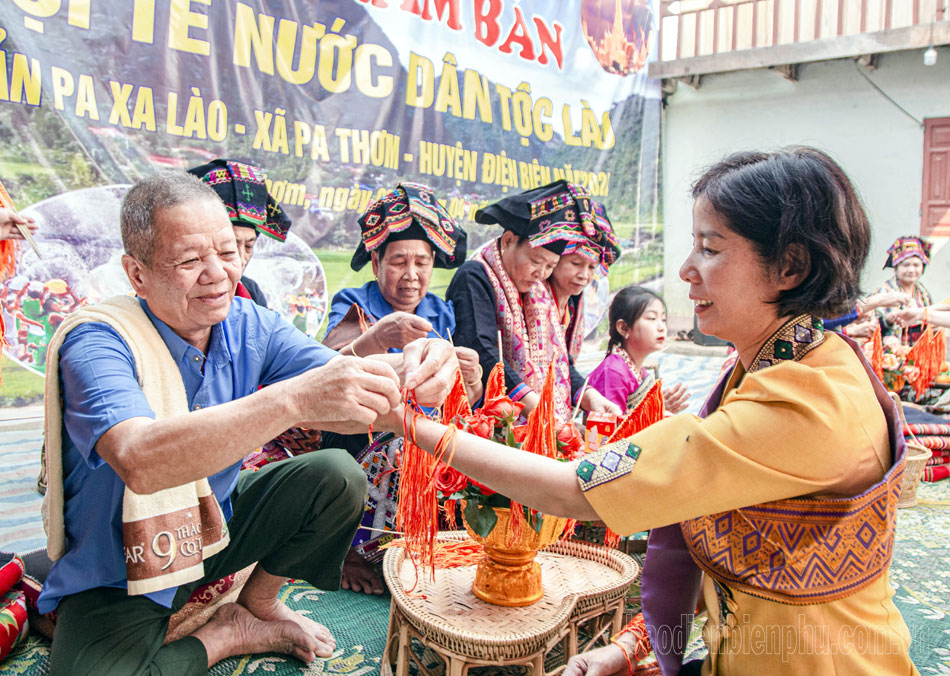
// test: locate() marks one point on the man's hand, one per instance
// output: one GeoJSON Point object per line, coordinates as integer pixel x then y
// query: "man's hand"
{"type": "Point", "coordinates": [8, 222]}
{"type": "Point", "coordinates": [428, 367]}
{"type": "Point", "coordinates": [397, 330]}
{"type": "Point", "coordinates": [594, 402]}
{"type": "Point", "coordinates": [605, 661]}
{"type": "Point", "coordinates": [346, 395]}
{"type": "Point", "coordinates": [675, 398]}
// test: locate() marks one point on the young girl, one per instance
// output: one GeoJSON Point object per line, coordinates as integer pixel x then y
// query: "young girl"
{"type": "Point", "coordinates": [637, 328]}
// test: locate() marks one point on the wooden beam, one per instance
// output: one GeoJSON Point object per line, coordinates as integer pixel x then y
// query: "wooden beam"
{"type": "Point", "coordinates": [869, 61]}
{"type": "Point", "coordinates": [693, 81]}
{"type": "Point", "coordinates": [789, 71]}
{"type": "Point", "coordinates": [844, 47]}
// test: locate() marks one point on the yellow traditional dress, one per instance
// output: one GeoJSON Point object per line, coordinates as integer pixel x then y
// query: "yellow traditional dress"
{"type": "Point", "coordinates": [785, 496]}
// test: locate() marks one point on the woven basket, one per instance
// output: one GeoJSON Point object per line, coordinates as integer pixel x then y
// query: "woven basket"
{"type": "Point", "coordinates": [916, 461]}
{"type": "Point", "coordinates": [917, 457]}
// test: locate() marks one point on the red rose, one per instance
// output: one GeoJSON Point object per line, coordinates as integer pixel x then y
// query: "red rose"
{"type": "Point", "coordinates": [503, 409]}
{"type": "Point", "coordinates": [480, 425]}
{"type": "Point", "coordinates": [519, 433]}
{"type": "Point", "coordinates": [569, 442]}
{"type": "Point", "coordinates": [449, 480]}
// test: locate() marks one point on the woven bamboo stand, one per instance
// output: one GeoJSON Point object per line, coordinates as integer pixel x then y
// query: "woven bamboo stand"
{"type": "Point", "coordinates": [917, 457]}
{"type": "Point", "coordinates": [584, 590]}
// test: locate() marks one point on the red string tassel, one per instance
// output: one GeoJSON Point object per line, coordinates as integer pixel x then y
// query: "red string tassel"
{"type": "Point", "coordinates": [418, 507]}
{"type": "Point", "coordinates": [540, 438]}
{"type": "Point", "coordinates": [456, 403]}
{"type": "Point", "coordinates": [921, 355]}
{"type": "Point", "coordinates": [877, 353]}
{"type": "Point", "coordinates": [647, 412]}
{"type": "Point", "coordinates": [638, 627]}
{"type": "Point", "coordinates": [495, 387]}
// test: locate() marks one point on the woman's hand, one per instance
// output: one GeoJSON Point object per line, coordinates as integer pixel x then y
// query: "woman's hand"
{"type": "Point", "coordinates": [910, 316]}
{"type": "Point", "coordinates": [9, 219]}
{"type": "Point", "coordinates": [883, 299]}
{"type": "Point", "coordinates": [396, 330]}
{"type": "Point", "coordinates": [863, 328]}
{"type": "Point", "coordinates": [391, 421]}
{"type": "Point", "coordinates": [468, 363]}
{"type": "Point", "coordinates": [471, 372]}
{"type": "Point", "coordinates": [675, 398]}
{"type": "Point", "coordinates": [594, 402]}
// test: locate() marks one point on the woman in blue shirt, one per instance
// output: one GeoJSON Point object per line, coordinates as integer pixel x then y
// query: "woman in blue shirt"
{"type": "Point", "coordinates": [404, 235]}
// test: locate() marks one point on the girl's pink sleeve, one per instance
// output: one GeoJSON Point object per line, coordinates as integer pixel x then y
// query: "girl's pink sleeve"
{"type": "Point", "coordinates": [612, 379]}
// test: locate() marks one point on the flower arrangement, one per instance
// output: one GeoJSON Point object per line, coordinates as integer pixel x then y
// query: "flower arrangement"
{"type": "Point", "coordinates": [425, 478]}
{"type": "Point", "coordinates": [894, 366]}
{"type": "Point", "coordinates": [496, 420]}
{"type": "Point", "coordinates": [904, 369]}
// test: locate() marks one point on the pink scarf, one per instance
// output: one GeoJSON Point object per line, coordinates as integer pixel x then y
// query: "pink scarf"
{"type": "Point", "coordinates": [575, 329]}
{"type": "Point", "coordinates": [531, 332]}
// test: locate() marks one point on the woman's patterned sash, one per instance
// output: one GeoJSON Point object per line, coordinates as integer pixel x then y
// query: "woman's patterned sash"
{"type": "Point", "coordinates": [802, 550]}
{"type": "Point", "coordinates": [532, 335]}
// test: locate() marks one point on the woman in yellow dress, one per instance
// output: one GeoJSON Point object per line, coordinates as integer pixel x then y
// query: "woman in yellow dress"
{"type": "Point", "coordinates": [784, 491]}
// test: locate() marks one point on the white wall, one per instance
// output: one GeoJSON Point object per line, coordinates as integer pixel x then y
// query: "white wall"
{"type": "Point", "coordinates": [831, 107]}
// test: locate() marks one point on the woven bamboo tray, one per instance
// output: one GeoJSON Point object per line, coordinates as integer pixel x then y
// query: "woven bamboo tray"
{"type": "Point", "coordinates": [917, 457]}
{"type": "Point", "coordinates": [916, 461]}
{"type": "Point", "coordinates": [578, 579]}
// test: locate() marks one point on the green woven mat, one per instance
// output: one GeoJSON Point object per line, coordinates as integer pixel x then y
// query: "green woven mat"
{"type": "Point", "coordinates": [358, 622]}
{"type": "Point", "coordinates": [920, 575]}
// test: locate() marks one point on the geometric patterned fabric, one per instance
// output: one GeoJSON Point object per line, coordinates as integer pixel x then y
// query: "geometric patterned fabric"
{"type": "Point", "coordinates": [609, 462]}
{"type": "Point", "coordinates": [243, 190]}
{"type": "Point", "coordinates": [800, 550]}
{"type": "Point", "coordinates": [791, 342]}
{"type": "Point", "coordinates": [410, 211]}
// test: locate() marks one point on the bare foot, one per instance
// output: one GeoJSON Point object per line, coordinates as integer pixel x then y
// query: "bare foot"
{"type": "Point", "coordinates": [269, 608]}
{"type": "Point", "coordinates": [359, 575]}
{"type": "Point", "coordinates": [233, 630]}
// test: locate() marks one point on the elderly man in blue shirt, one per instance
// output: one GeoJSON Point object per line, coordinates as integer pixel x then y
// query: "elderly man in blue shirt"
{"type": "Point", "coordinates": [161, 397]}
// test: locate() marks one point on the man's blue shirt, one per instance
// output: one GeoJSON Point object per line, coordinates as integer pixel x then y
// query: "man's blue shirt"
{"type": "Point", "coordinates": [252, 347]}
{"type": "Point", "coordinates": [438, 312]}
